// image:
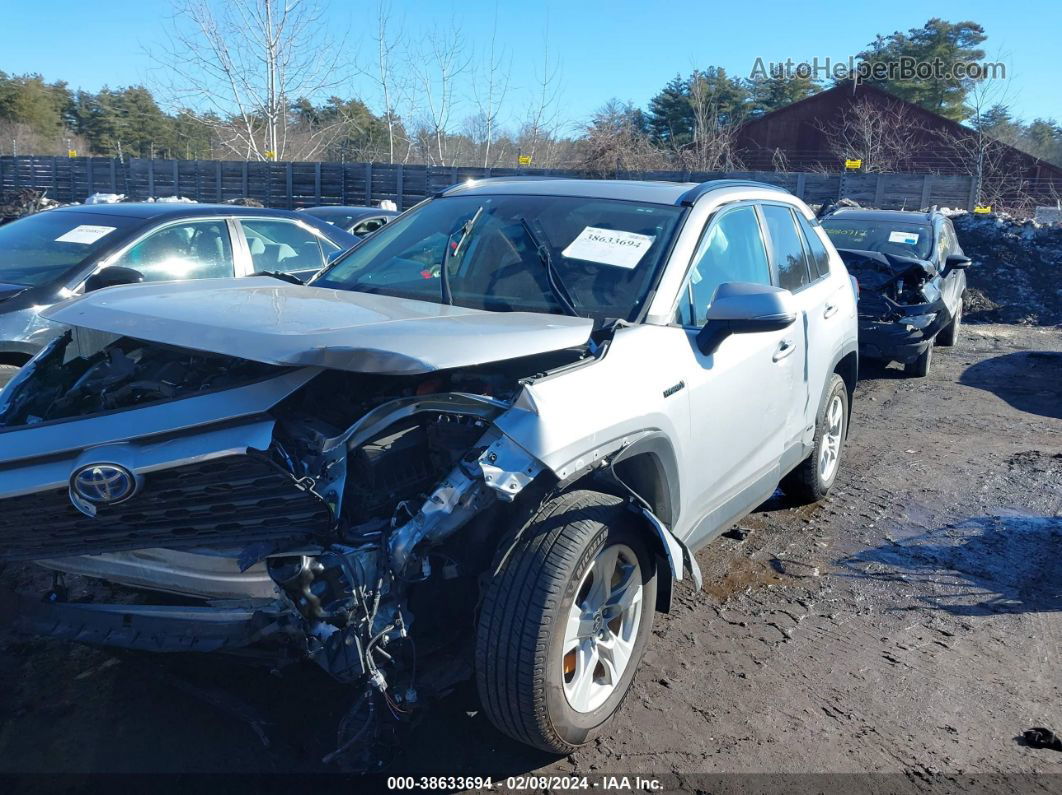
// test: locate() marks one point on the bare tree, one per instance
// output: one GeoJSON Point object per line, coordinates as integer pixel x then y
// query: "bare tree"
{"type": "Point", "coordinates": [995, 166]}
{"type": "Point", "coordinates": [992, 163]}
{"type": "Point", "coordinates": [885, 137]}
{"type": "Point", "coordinates": [779, 161]}
{"type": "Point", "coordinates": [391, 85]}
{"type": "Point", "coordinates": [437, 71]}
{"type": "Point", "coordinates": [238, 66]}
{"type": "Point", "coordinates": [490, 85]}
{"type": "Point", "coordinates": [538, 138]}
{"type": "Point", "coordinates": [615, 141]}
{"type": "Point", "coordinates": [713, 147]}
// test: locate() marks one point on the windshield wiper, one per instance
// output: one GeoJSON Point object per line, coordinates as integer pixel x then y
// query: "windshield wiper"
{"type": "Point", "coordinates": [451, 251]}
{"type": "Point", "coordinates": [556, 284]}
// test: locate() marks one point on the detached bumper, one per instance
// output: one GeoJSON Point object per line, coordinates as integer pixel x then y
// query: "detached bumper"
{"type": "Point", "coordinates": [891, 342]}
{"type": "Point", "coordinates": [897, 341]}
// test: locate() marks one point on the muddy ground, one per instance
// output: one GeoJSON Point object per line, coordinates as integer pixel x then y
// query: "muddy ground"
{"type": "Point", "coordinates": [910, 624]}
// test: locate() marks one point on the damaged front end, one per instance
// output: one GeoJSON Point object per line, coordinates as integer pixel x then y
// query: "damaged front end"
{"type": "Point", "coordinates": [901, 308]}
{"type": "Point", "coordinates": [325, 504]}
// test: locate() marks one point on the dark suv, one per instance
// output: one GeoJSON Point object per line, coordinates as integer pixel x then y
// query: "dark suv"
{"type": "Point", "coordinates": [911, 274]}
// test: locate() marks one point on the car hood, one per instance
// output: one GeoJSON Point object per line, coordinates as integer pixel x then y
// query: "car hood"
{"type": "Point", "coordinates": [877, 270]}
{"type": "Point", "coordinates": [285, 324]}
{"type": "Point", "coordinates": [10, 290]}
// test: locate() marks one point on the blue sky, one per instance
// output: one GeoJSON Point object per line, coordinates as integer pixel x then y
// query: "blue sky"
{"type": "Point", "coordinates": [621, 48]}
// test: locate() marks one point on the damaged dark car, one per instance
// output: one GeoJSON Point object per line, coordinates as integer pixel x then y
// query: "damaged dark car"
{"type": "Point", "coordinates": [911, 275]}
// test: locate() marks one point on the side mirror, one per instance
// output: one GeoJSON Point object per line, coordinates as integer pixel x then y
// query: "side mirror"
{"type": "Point", "coordinates": [745, 308]}
{"type": "Point", "coordinates": [956, 261]}
{"type": "Point", "coordinates": [112, 277]}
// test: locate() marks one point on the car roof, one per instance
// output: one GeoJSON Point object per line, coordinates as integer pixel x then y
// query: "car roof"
{"type": "Point", "coordinates": [147, 210]}
{"type": "Point", "coordinates": [351, 210]}
{"type": "Point", "coordinates": [859, 214]}
{"type": "Point", "coordinates": [648, 191]}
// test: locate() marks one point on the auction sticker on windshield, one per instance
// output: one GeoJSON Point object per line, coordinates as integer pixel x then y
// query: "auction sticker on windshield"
{"type": "Point", "coordinates": [86, 234]}
{"type": "Point", "coordinates": [910, 238]}
{"type": "Point", "coordinates": [609, 247]}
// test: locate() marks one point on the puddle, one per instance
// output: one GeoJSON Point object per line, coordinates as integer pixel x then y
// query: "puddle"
{"type": "Point", "coordinates": [741, 575]}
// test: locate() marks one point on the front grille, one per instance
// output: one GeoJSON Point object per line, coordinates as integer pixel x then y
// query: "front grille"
{"type": "Point", "coordinates": [229, 501]}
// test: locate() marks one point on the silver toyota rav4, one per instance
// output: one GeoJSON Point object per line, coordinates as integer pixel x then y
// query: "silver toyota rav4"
{"type": "Point", "coordinates": [482, 444]}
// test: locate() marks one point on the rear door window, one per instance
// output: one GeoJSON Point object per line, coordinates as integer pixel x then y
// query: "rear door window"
{"type": "Point", "coordinates": [190, 250]}
{"type": "Point", "coordinates": [284, 246]}
{"type": "Point", "coordinates": [818, 256]}
{"type": "Point", "coordinates": [786, 249]}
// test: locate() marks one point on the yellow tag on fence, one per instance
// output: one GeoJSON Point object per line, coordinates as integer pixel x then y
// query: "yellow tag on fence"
{"type": "Point", "coordinates": [852, 165]}
{"type": "Point", "coordinates": [524, 160]}
{"type": "Point", "coordinates": [71, 153]}
{"type": "Point", "coordinates": [983, 210]}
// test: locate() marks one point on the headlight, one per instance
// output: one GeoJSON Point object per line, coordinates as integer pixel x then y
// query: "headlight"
{"type": "Point", "coordinates": [917, 321]}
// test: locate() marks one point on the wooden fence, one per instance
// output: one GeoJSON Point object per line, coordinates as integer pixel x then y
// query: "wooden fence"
{"type": "Point", "coordinates": [304, 184]}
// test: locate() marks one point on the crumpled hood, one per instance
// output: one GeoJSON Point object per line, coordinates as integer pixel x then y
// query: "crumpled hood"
{"type": "Point", "coordinates": [268, 321]}
{"type": "Point", "coordinates": [876, 270]}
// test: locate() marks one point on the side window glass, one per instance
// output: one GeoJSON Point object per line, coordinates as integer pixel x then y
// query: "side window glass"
{"type": "Point", "coordinates": [943, 245]}
{"type": "Point", "coordinates": [367, 227]}
{"type": "Point", "coordinates": [786, 248]}
{"type": "Point", "coordinates": [819, 257]}
{"type": "Point", "coordinates": [194, 250]}
{"type": "Point", "coordinates": [283, 246]}
{"type": "Point", "coordinates": [731, 251]}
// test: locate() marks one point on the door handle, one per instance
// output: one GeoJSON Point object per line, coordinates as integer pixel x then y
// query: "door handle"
{"type": "Point", "coordinates": [785, 347]}
{"type": "Point", "coordinates": [831, 310]}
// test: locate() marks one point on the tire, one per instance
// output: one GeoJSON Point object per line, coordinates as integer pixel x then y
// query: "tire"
{"type": "Point", "coordinates": [949, 335]}
{"type": "Point", "coordinates": [7, 372]}
{"type": "Point", "coordinates": [919, 368]}
{"type": "Point", "coordinates": [812, 480]}
{"type": "Point", "coordinates": [525, 674]}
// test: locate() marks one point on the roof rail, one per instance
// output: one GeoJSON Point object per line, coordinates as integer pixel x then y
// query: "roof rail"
{"type": "Point", "coordinates": [499, 178]}
{"type": "Point", "coordinates": [690, 196]}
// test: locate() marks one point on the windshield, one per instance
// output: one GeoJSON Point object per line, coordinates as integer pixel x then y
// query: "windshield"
{"type": "Point", "coordinates": [889, 237]}
{"type": "Point", "coordinates": [603, 253]}
{"type": "Point", "coordinates": [41, 248]}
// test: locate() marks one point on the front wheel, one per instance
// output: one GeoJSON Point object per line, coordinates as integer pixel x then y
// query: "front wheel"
{"type": "Point", "coordinates": [565, 621]}
{"type": "Point", "coordinates": [949, 335]}
{"type": "Point", "coordinates": [919, 368]}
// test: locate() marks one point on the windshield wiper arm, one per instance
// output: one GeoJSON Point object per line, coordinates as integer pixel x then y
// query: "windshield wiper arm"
{"type": "Point", "coordinates": [451, 251]}
{"type": "Point", "coordinates": [556, 284]}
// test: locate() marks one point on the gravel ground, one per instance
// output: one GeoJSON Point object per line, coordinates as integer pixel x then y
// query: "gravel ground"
{"type": "Point", "coordinates": [910, 624]}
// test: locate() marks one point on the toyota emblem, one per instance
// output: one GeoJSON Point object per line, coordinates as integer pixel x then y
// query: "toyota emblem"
{"type": "Point", "coordinates": [103, 484]}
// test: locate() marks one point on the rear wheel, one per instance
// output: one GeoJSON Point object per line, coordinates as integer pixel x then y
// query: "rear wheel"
{"type": "Point", "coordinates": [949, 335]}
{"type": "Point", "coordinates": [815, 475]}
{"type": "Point", "coordinates": [565, 621]}
{"type": "Point", "coordinates": [919, 368]}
